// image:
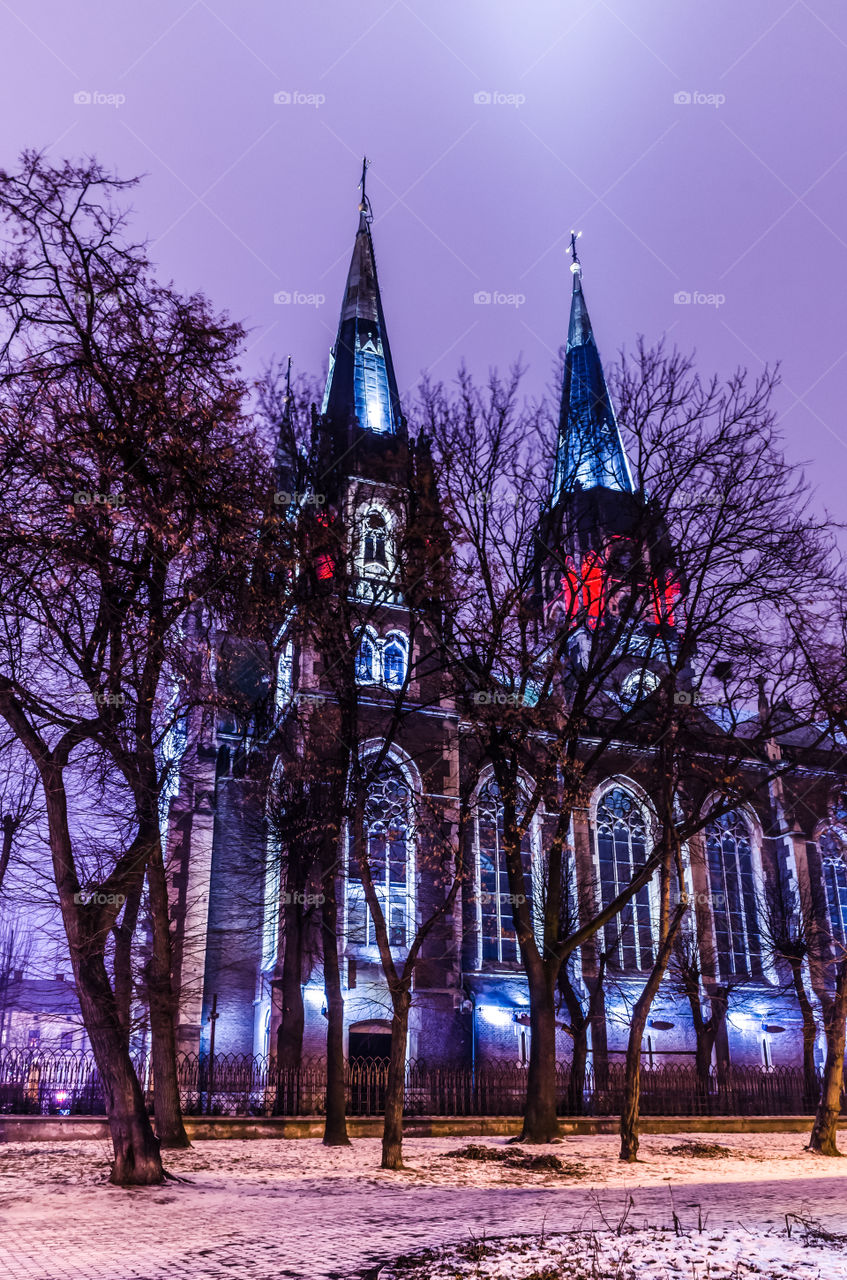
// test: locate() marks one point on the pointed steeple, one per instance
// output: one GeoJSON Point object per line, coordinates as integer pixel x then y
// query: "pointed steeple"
{"type": "Point", "coordinates": [361, 386]}
{"type": "Point", "coordinates": [590, 451]}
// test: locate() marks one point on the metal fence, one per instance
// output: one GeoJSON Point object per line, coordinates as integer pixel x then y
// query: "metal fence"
{"type": "Point", "coordinates": [65, 1082]}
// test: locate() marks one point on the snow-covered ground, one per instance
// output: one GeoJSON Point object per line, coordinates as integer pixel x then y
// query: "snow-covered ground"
{"type": "Point", "coordinates": [290, 1208]}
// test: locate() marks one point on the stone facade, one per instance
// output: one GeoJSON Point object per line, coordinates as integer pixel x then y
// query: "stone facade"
{"type": "Point", "coordinates": [470, 1005]}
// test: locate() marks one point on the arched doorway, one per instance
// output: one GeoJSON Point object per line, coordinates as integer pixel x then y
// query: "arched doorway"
{"type": "Point", "coordinates": [368, 1053]}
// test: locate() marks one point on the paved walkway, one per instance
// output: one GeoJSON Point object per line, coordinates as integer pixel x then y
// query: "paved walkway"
{"type": "Point", "coordinates": [257, 1209]}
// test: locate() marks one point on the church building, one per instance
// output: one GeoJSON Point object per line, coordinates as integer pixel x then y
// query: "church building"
{"type": "Point", "coordinates": [470, 1002]}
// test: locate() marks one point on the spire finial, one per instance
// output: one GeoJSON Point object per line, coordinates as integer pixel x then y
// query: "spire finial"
{"type": "Point", "coordinates": [288, 389]}
{"type": "Point", "coordinates": [365, 204]}
{"type": "Point", "coordinates": [576, 265]}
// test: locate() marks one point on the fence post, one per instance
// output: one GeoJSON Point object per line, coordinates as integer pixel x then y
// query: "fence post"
{"type": "Point", "coordinates": [213, 1017]}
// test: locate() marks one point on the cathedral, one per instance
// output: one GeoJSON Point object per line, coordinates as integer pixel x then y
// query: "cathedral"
{"type": "Point", "coordinates": [470, 1000]}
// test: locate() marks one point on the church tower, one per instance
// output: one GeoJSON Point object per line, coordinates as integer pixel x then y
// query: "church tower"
{"type": "Point", "coordinates": [376, 543]}
{"type": "Point", "coordinates": [599, 539]}
{"type": "Point", "coordinates": [362, 429]}
{"type": "Point", "coordinates": [589, 450]}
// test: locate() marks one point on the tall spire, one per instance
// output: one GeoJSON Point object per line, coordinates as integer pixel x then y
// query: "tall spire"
{"type": "Point", "coordinates": [361, 385]}
{"type": "Point", "coordinates": [590, 451]}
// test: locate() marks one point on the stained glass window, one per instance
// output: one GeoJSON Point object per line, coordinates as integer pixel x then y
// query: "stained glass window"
{"type": "Point", "coordinates": [370, 387]}
{"type": "Point", "coordinates": [835, 883]}
{"type": "Point", "coordinates": [365, 660]}
{"type": "Point", "coordinates": [394, 659]}
{"type": "Point", "coordinates": [621, 850]}
{"type": "Point", "coordinates": [387, 834]}
{"type": "Point", "coordinates": [730, 856]}
{"type": "Point", "coordinates": [499, 943]}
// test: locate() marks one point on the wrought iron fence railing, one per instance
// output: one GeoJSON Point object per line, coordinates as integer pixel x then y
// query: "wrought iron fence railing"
{"type": "Point", "coordinates": [65, 1082]}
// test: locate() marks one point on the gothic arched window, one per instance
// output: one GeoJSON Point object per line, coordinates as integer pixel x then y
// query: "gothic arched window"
{"type": "Point", "coordinates": [366, 660]}
{"type": "Point", "coordinates": [621, 850]}
{"type": "Point", "coordinates": [388, 840]}
{"type": "Point", "coordinates": [729, 849]}
{"type": "Point", "coordinates": [833, 854]}
{"type": "Point", "coordinates": [498, 941]}
{"type": "Point", "coordinates": [394, 653]}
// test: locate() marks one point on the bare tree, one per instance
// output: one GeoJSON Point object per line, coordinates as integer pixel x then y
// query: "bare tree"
{"type": "Point", "coordinates": [18, 800]}
{"type": "Point", "coordinates": [795, 945]}
{"type": "Point", "coordinates": [692, 972]}
{"type": "Point", "coordinates": [130, 495]}
{"type": "Point", "coordinates": [824, 647]}
{"type": "Point", "coordinates": [549, 634]}
{"type": "Point", "coordinates": [16, 949]}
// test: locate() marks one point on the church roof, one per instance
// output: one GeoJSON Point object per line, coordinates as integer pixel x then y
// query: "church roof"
{"type": "Point", "coordinates": [590, 451]}
{"type": "Point", "coordinates": [361, 386]}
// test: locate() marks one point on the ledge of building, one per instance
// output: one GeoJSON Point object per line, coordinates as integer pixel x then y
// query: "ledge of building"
{"type": "Point", "coordinates": [76, 1128]}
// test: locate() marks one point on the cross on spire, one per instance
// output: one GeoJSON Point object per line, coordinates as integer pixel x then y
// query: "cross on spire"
{"type": "Point", "coordinates": [365, 205]}
{"type": "Point", "coordinates": [288, 389]}
{"type": "Point", "coordinates": [576, 265]}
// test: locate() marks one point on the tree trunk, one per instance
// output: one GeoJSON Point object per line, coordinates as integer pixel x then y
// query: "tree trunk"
{"type": "Point", "coordinates": [811, 1083]}
{"type": "Point", "coordinates": [632, 1076]}
{"type": "Point", "coordinates": [9, 827]}
{"type": "Point", "coordinates": [166, 1100]}
{"type": "Point", "coordinates": [392, 1133]}
{"type": "Point", "coordinates": [137, 1160]}
{"type": "Point", "coordinates": [335, 1126]}
{"type": "Point", "coordinates": [720, 1006]}
{"type": "Point", "coordinates": [289, 1041]}
{"type": "Point", "coordinates": [576, 1083]}
{"type": "Point", "coordinates": [540, 1123]}
{"type": "Point", "coordinates": [124, 935]}
{"type": "Point", "coordinates": [580, 1020]}
{"type": "Point", "coordinates": [703, 1060]}
{"type": "Point", "coordinates": [825, 1129]}
{"type": "Point", "coordinates": [704, 1036]}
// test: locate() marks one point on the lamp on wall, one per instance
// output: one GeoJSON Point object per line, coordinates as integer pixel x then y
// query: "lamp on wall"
{"type": "Point", "coordinates": [496, 1015]}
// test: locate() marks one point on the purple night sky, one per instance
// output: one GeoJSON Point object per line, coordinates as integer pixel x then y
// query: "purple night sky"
{"type": "Point", "coordinates": [493, 126]}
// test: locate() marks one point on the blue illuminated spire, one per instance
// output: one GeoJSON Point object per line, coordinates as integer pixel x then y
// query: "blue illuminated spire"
{"type": "Point", "coordinates": [360, 384]}
{"type": "Point", "coordinates": [590, 451]}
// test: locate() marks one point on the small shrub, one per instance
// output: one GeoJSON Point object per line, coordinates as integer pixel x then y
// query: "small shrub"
{"type": "Point", "coordinates": [514, 1158]}
{"type": "Point", "coordinates": [702, 1150]}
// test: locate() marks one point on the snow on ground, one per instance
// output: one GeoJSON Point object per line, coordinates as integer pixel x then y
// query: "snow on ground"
{"type": "Point", "coordinates": [291, 1208]}
{"type": "Point", "coordinates": [649, 1254]}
